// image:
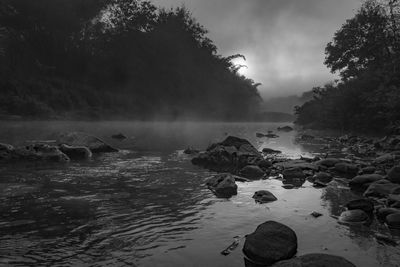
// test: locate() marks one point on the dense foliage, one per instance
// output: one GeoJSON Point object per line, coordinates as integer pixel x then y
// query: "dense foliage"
{"type": "Point", "coordinates": [109, 58]}
{"type": "Point", "coordinates": [366, 54]}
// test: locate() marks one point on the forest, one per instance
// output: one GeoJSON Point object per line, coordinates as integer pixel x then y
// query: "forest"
{"type": "Point", "coordinates": [108, 59]}
{"type": "Point", "coordinates": [365, 52]}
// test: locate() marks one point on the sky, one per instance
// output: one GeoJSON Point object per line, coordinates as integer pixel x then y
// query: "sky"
{"type": "Point", "coordinates": [283, 40]}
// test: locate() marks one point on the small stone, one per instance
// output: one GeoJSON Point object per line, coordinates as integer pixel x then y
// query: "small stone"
{"type": "Point", "coordinates": [353, 217]}
{"type": "Point", "coordinates": [264, 196]}
{"type": "Point", "coordinates": [316, 214]}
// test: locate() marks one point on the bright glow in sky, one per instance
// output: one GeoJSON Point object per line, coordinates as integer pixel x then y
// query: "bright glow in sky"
{"type": "Point", "coordinates": [283, 40]}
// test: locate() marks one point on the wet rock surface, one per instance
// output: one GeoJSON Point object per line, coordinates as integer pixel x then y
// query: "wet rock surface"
{"type": "Point", "coordinates": [95, 144]}
{"type": "Point", "coordinates": [230, 155]}
{"type": "Point", "coordinates": [269, 243]}
{"type": "Point", "coordinates": [264, 196]}
{"type": "Point", "coordinates": [223, 185]}
{"type": "Point", "coordinates": [355, 216]}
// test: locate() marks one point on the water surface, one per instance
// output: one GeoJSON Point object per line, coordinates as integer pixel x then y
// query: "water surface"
{"type": "Point", "coordinates": [147, 205]}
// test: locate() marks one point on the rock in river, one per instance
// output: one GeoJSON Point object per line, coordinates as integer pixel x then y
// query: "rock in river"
{"type": "Point", "coordinates": [96, 145]}
{"type": "Point", "coordinates": [252, 172]}
{"type": "Point", "coordinates": [223, 185]}
{"type": "Point", "coordinates": [285, 129]}
{"type": "Point", "coordinates": [41, 152]}
{"type": "Point", "coordinates": [354, 217]}
{"type": "Point", "coordinates": [6, 151]}
{"type": "Point", "coordinates": [76, 152]}
{"type": "Point", "coordinates": [264, 196]}
{"type": "Point", "coordinates": [231, 155]}
{"type": "Point", "coordinates": [315, 260]}
{"type": "Point", "coordinates": [328, 162]}
{"type": "Point", "coordinates": [292, 173]}
{"type": "Point", "coordinates": [271, 242]}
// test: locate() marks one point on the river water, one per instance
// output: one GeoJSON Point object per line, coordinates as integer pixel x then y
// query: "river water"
{"type": "Point", "coordinates": [147, 205]}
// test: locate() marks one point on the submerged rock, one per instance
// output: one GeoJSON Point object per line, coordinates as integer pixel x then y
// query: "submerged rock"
{"type": "Point", "coordinates": [354, 217]}
{"type": "Point", "coordinates": [96, 145]}
{"type": "Point", "coordinates": [252, 172]}
{"type": "Point", "coordinates": [223, 185]}
{"type": "Point", "coordinates": [315, 260]}
{"type": "Point", "coordinates": [271, 242]}
{"type": "Point", "coordinates": [264, 196]}
{"type": "Point", "coordinates": [285, 129]}
{"type": "Point", "coordinates": [76, 152]}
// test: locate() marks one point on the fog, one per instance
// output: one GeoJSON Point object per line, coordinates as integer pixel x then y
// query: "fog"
{"type": "Point", "coordinates": [283, 41]}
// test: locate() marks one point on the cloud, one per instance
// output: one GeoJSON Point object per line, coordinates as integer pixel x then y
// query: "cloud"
{"type": "Point", "coordinates": [283, 40]}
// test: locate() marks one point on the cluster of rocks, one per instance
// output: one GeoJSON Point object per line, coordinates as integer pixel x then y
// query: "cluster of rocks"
{"type": "Point", "coordinates": [375, 176]}
{"type": "Point", "coordinates": [68, 146]}
{"type": "Point", "coordinates": [273, 243]}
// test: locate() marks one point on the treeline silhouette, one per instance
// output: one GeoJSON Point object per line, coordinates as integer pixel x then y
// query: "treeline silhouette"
{"type": "Point", "coordinates": [365, 51]}
{"type": "Point", "coordinates": [110, 58]}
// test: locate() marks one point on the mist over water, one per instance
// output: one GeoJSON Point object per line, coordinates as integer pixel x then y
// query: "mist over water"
{"type": "Point", "coordinates": [147, 205]}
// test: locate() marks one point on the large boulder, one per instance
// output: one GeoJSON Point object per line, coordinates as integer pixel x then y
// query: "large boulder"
{"type": "Point", "coordinates": [6, 151]}
{"type": "Point", "coordinates": [354, 217]}
{"type": "Point", "coordinates": [382, 189]}
{"type": "Point", "coordinates": [223, 185]}
{"type": "Point", "coordinates": [76, 152]}
{"type": "Point", "coordinates": [394, 174]}
{"type": "Point", "coordinates": [230, 155]}
{"type": "Point", "coordinates": [95, 144]}
{"type": "Point", "coordinates": [264, 196]}
{"type": "Point", "coordinates": [365, 180]}
{"type": "Point", "coordinates": [39, 152]}
{"type": "Point", "coordinates": [271, 242]}
{"type": "Point", "coordinates": [252, 172]}
{"type": "Point", "coordinates": [315, 260]}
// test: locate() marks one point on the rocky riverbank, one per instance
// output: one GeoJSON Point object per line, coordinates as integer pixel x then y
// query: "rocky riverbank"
{"type": "Point", "coordinates": [368, 166]}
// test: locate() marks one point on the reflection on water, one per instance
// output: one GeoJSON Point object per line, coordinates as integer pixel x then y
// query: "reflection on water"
{"type": "Point", "coordinates": [148, 206]}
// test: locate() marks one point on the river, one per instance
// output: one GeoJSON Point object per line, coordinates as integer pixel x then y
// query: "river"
{"type": "Point", "coordinates": [147, 204]}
